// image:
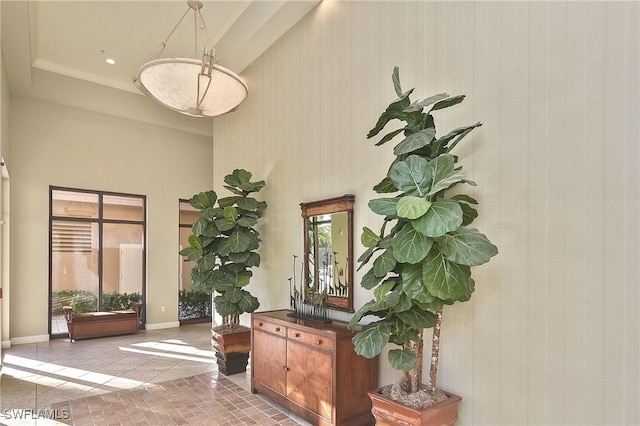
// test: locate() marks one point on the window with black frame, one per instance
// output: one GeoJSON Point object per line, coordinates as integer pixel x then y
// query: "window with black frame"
{"type": "Point", "coordinates": [96, 252]}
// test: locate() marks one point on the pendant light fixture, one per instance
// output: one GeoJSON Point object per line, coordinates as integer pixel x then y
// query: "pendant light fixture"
{"type": "Point", "coordinates": [198, 87]}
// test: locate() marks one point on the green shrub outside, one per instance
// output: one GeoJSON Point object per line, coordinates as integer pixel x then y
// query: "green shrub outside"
{"type": "Point", "coordinates": [193, 304]}
{"type": "Point", "coordinates": [85, 301]}
{"type": "Point", "coordinates": [115, 301]}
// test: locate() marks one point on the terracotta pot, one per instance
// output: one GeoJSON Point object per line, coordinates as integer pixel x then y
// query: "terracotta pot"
{"type": "Point", "coordinates": [390, 412]}
{"type": "Point", "coordinates": [232, 350]}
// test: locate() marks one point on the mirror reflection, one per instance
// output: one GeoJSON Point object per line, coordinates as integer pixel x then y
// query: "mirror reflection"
{"type": "Point", "coordinates": [328, 250]}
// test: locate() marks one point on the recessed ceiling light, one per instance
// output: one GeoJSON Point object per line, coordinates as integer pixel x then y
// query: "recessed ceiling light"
{"type": "Point", "coordinates": [110, 61]}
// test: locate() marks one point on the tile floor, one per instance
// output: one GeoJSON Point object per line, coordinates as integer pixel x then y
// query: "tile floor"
{"type": "Point", "coordinates": [161, 377]}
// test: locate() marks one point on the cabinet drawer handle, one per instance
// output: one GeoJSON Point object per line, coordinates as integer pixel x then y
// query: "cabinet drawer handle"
{"type": "Point", "coordinates": [285, 368]}
{"type": "Point", "coordinates": [319, 342]}
{"type": "Point", "coordinates": [259, 324]}
{"type": "Point", "coordinates": [297, 335]}
{"type": "Point", "coordinates": [277, 328]}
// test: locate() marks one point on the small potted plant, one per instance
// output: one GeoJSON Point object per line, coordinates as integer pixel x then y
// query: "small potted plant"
{"type": "Point", "coordinates": [223, 245]}
{"type": "Point", "coordinates": [421, 258]}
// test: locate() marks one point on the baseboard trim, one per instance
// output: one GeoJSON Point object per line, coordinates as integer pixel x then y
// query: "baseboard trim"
{"type": "Point", "coordinates": [6, 344]}
{"type": "Point", "coordinates": [162, 325]}
{"type": "Point", "coordinates": [30, 339]}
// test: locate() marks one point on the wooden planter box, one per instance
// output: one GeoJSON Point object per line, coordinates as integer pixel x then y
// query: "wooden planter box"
{"type": "Point", "coordinates": [389, 412]}
{"type": "Point", "coordinates": [232, 350]}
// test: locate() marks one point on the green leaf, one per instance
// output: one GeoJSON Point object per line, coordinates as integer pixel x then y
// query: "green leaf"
{"type": "Point", "coordinates": [208, 261]}
{"type": "Point", "coordinates": [411, 175]}
{"type": "Point", "coordinates": [413, 285]}
{"type": "Point", "coordinates": [246, 221]}
{"type": "Point", "coordinates": [417, 318]}
{"type": "Point", "coordinates": [237, 178]}
{"type": "Point", "coordinates": [199, 225]}
{"type": "Point", "coordinates": [467, 246]}
{"type": "Point", "coordinates": [445, 279]}
{"type": "Point", "coordinates": [443, 173]}
{"type": "Point", "coordinates": [468, 214]}
{"type": "Point", "coordinates": [203, 200]}
{"type": "Point", "coordinates": [192, 254]}
{"type": "Point", "coordinates": [411, 207]}
{"type": "Point", "coordinates": [223, 306]}
{"type": "Point", "coordinates": [457, 134]}
{"type": "Point", "coordinates": [415, 141]}
{"type": "Point", "coordinates": [248, 203]}
{"type": "Point", "coordinates": [402, 359]}
{"type": "Point", "coordinates": [228, 201]}
{"type": "Point", "coordinates": [223, 224]}
{"type": "Point", "coordinates": [443, 216]}
{"type": "Point", "coordinates": [253, 260]}
{"type": "Point", "coordinates": [454, 100]}
{"type": "Point", "coordinates": [370, 280]}
{"type": "Point", "coordinates": [230, 213]}
{"type": "Point", "coordinates": [368, 238]}
{"type": "Point", "coordinates": [372, 339]}
{"type": "Point", "coordinates": [395, 77]}
{"type": "Point", "coordinates": [465, 198]}
{"type": "Point", "coordinates": [386, 186]}
{"type": "Point", "coordinates": [383, 206]}
{"type": "Point", "coordinates": [410, 246]}
{"type": "Point", "coordinates": [389, 136]}
{"type": "Point", "coordinates": [211, 230]}
{"type": "Point", "coordinates": [194, 242]}
{"type": "Point", "coordinates": [384, 264]}
{"type": "Point", "coordinates": [364, 257]}
{"type": "Point", "coordinates": [404, 303]}
{"type": "Point", "coordinates": [249, 187]}
{"type": "Point", "coordinates": [383, 289]}
{"type": "Point", "coordinates": [239, 257]}
{"type": "Point", "coordinates": [419, 106]}
{"type": "Point", "coordinates": [360, 313]}
{"type": "Point", "coordinates": [247, 302]}
{"type": "Point", "coordinates": [239, 240]}
{"type": "Point", "coordinates": [393, 111]}
{"type": "Point", "coordinates": [387, 302]}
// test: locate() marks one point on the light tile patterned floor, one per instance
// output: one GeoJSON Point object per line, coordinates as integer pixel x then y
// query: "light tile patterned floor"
{"type": "Point", "coordinates": [162, 377]}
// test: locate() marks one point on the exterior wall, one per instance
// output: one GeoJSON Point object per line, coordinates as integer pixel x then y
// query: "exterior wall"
{"type": "Point", "coordinates": [85, 265]}
{"type": "Point", "coordinates": [80, 149]}
{"type": "Point", "coordinates": [551, 335]}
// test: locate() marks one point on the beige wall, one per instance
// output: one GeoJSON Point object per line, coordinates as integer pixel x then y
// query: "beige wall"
{"type": "Point", "coordinates": [4, 202]}
{"type": "Point", "coordinates": [63, 146]}
{"type": "Point", "coordinates": [551, 335]}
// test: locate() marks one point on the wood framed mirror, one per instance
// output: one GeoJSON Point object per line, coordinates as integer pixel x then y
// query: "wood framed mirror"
{"type": "Point", "coordinates": [328, 249]}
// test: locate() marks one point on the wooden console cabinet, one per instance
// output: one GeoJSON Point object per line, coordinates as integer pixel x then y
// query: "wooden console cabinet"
{"type": "Point", "coordinates": [311, 368]}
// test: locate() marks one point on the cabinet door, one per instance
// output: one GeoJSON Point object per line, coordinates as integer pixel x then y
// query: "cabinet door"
{"type": "Point", "coordinates": [270, 360]}
{"type": "Point", "coordinates": [309, 378]}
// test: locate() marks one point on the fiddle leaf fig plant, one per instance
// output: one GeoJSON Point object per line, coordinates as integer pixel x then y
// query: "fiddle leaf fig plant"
{"type": "Point", "coordinates": [420, 260]}
{"type": "Point", "coordinates": [223, 245]}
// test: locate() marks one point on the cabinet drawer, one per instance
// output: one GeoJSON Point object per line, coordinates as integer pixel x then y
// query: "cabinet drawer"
{"type": "Point", "coordinates": [261, 324]}
{"type": "Point", "coordinates": [315, 340]}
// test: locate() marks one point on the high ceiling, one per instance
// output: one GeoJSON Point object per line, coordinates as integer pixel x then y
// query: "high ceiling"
{"type": "Point", "coordinates": [56, 50]}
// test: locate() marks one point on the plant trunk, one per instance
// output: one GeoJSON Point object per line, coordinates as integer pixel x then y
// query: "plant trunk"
{"type": "Point", "coordinates": [435, 350]}
{"type": "Point", "coordinates": [412, 379]}
{"type": "Point", "coordinates": [416, 372]}
{"type": "Point", "coordinates": [231, 320]}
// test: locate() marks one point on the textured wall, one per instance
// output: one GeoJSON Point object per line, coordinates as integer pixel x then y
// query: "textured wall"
{"type": "Point", "coordinates": [552, 333]}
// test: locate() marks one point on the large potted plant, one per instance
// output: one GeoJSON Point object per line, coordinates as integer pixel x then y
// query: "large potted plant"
{"type": "Point", "coordinates": [223, 245]}
{"type": "Point", "coordinates": [421, 258]}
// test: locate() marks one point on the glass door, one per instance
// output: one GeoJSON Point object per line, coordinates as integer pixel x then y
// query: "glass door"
{"type": "Point", "coordinates": [97, 253]}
